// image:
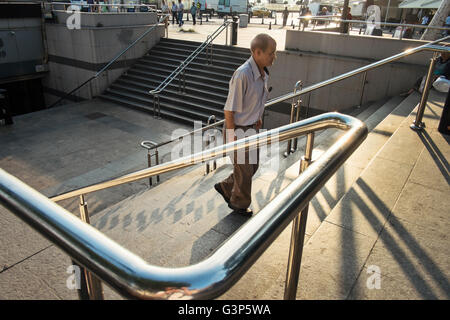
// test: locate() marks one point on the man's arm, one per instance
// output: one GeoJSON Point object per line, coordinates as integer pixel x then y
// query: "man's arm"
{"type": "Point", "coordinates": [234, 103]}
{"type": "Point", "coordinates": [229, 126]}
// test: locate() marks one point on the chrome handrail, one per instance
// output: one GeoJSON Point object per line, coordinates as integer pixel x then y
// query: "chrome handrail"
{"type": "Point", "coordinates": [132, 277]}
{"type": "Point", "coordinates": [429, 46]}
{"type": "Point", "coordinates": [162, 18]}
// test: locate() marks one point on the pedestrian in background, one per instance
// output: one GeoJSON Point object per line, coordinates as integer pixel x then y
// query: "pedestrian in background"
{"type": "Point", "coordinates": [180, 13]}
{"type": "Point", "coordinates": [193, 12]}
{"type": "Point", "coordinates": [165, 10]}
{"type": "Point", "coordinates": [174, 12]}
{"type": "Point", "coordinates": [285, 16]}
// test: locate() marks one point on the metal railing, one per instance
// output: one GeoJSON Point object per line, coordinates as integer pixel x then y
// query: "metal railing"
{"type": "Point", "coordinates": [180, 70]}
{"type": "Point", "coordinates": [211, 139]}
{"type": "Point", "coordinates": [161, 20]}
{"type": "Point", "coordinates": [402, 26]}
{"type": "Point", "coordinates": [298, 91]}
{"type": "Point", "coordinates": [132, 277]}
{"type": "Point", "coordinates": [103, 7]}
{"type": "Point", "coordinates": [418, 124]}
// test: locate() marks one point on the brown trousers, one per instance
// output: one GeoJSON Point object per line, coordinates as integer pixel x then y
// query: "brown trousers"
{"type": "Point", "coordinates": [238, 186]}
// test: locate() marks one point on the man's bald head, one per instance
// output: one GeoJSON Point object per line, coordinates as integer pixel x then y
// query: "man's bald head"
{"type": "Point", "coordinates": [261, 41]}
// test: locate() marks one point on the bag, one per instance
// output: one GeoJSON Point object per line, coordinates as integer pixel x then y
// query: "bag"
{"type": "Point", "coordinates": [422, 84]}
{"type": "Point", "coordinates": [442, 84]}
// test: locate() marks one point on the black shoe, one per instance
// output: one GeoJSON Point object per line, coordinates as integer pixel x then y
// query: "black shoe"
{"type": "Point", "coordinates": [242, 211]}
{"type": "Point", "coordinates": [219, 190]}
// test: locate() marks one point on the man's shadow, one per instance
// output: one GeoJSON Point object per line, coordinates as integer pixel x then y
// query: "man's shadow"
{"type": "Point", "coordinates": [213, 238]}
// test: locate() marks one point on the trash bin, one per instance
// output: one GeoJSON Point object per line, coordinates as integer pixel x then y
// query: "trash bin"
{"type": "Point", "coordinates": [243, 20]}
{"type": "Point", "coordinates": [234, 28]}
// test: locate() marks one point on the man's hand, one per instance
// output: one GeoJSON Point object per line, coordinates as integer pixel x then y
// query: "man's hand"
{"type": "Point", "coordinates": [229, 126]}
{"type": "Point", "coordinates": [258, 124]}
{"type": "Point", "coordinates": [231, 137]}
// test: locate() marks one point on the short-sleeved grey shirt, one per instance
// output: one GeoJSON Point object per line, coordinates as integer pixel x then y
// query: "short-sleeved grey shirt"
{"type": "Point", "coordinates": [247, 94]}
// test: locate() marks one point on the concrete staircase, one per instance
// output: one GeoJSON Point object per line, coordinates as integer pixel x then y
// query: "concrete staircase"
{"type": "Point", "coordinates": [206, 85]}
{"type": "Point", "coordinates": [182, 220]}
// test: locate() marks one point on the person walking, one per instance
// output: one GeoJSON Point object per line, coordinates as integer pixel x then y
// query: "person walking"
{"type": "Point", "coordinates": [243, 113]}
{"type": "Point", "coordinates": [174, 12]}
{"type": "Point", "coordinates": [180, 13]}
{"type": "Point", "coordinates": [165, 10]}
{"type": "Point", "coordinates": [193, 12]}
{"type": "Point", "coordinates": [285, 16]}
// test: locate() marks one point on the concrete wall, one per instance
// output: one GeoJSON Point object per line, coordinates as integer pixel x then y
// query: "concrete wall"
{"type": "Point", "coordinates": [77, 54]}
{"type": "Point", "coordinates": [108, 19]}
{"type": "Point", "coordinates": [314, 57]}
{"type": "Point", "coordinates": [22, 53]}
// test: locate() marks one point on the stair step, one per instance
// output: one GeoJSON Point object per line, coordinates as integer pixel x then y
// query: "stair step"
{"type": "Point", "coordinates": [202, 57]}
{"type": "Point", "coordinates": [216, 51]}
{"type": "Point", "coordinates": [150, 84]}
{"type": "Point", "coordinates": [148, 109]}
{"type": "Point", "coordinates": [193, 66]}
{"type": "Point", "coordinates": [156, 79]}
{"type": "Point", "coordinates": [174, 95]}
{"type": "Point", "coordinates": [194, 44]}
{"type": "Point", "coordinates": [224, 78]}
{"type": "Point", "coordinates": [202, 114]}
{"type": "Point", "coordinates": [146, 70]}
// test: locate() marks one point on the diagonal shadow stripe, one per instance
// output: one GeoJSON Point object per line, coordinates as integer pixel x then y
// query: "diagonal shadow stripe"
{"type": "Point", "coordinates": [426, 261]}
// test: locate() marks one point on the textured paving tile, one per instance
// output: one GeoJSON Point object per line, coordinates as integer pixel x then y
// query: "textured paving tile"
{"type": "Point", "coordinates": [405, 148]}
{"type": "Point", "coordinates": [332, 260]}
{"type": "Point", "coordinates": [18, 240]}
{"type": "Point", "coordinates": [432, 168]}
{"type": "Point", "coordinates": [423, 206]}
{"type": "Point", "coordinates": [368, 203]}
{"type": "Point", "coordinates": [46, 277]}
{"type": "Point", "coordinates": [413, 261]}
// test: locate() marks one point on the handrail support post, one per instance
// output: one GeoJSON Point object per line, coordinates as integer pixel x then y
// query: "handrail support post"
{"type": "Point", "coordinates": [295, 114]}
{"type": "Point", "coordinates": [363, 85]}
{"type": "Point", "coordinates": [210, 139]}
{"type": "Point", "coordinates": [149, 161]}
{"type": "Point", "coordinates": [91, 287]}
{"type": "Point", "coordinates": [418, 125]}
{"type": "Point", "coordinates": [156, 105]}
{"type": "Point", "coordinates": [298, 233]}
